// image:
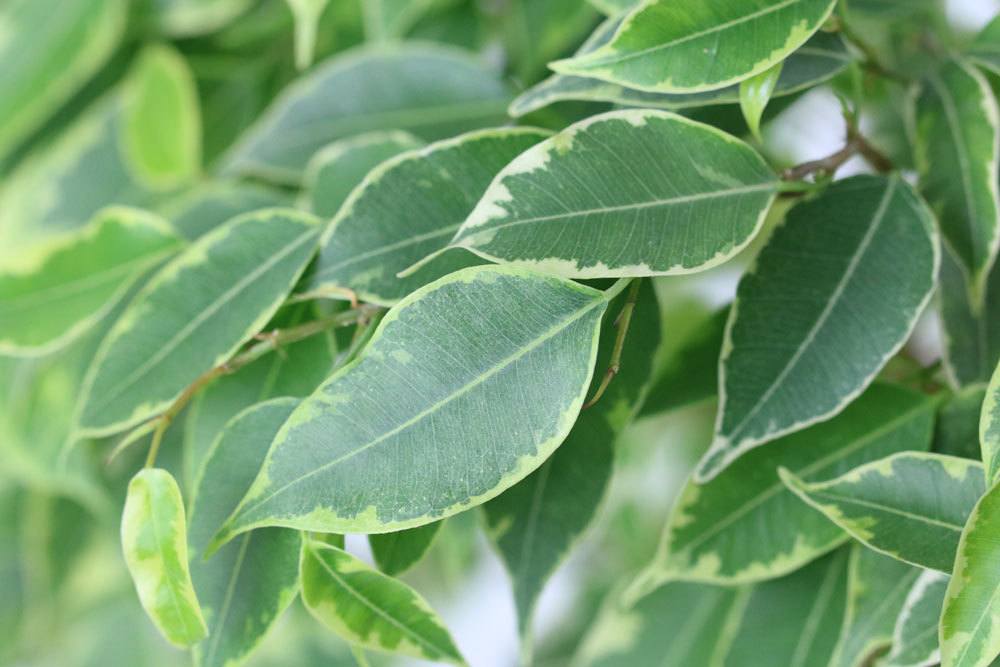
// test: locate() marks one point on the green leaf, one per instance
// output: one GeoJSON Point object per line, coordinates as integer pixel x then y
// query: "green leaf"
{"type": "Point", "coordinates": [679, 625]}
{"type": "Point", "coordinates": [989, 430]}
{"type": "Point", "coordinates": [408, 208]}
{"type": "Point", "coordinates": [793, 621]}
{"type": "Point", "coordinates": [971, 332]}
{"type": "Point", "coordinates": [689, 46]}
{"type": "Point", "coordinates": [915, 638]}
{"type": "Point", "coordinates": [985, 48]}
{"type": "Point", "coordinates": [614, 7]}
{"type": "Point", "coordinates": [755, 93]}
{"type": "Point", "coordinates": [307, 14]}
{"type": "Point", "coordinates": [245, 586]}
{"type": "Point", "coordinates": [202, 209]}
{"type": "Point", "coordinates": [156, 554]}
{"type": "Point", "coordinates": [822, 275]}
{"type": "Point", "coordinates": [416, 396]}
{"type": "Point", "coordinates": [397, 552]}
{"type": "Point", "coordinates": [186, 18]}
{"type": "Point", "coordinates": [431, 91]}
{"type": "Point", "coordinates": [626, 193]}
{"type": "Point", "coordinates": [877, 589]}
{"type": "Point", "coordinates": [338, 168]}
{"type": "Point", "coordinates": [194, 314]}
{"type": "Point", "coordinates": [537, 523]}
{"type": "Point", "coordinates": [957, 430]}
{"type": "Point", "coordinates": [970, 619]}
{"type": "Point", "coordinates": [296, 370]}
{"type": "Point", "coordinates": [68, 288]}
{"type": "Point", "coordinates": [47, 60]}
{"type": "Point", "coordinates": [537, 31]}
{"type": "Point", "coordinates": [885, 503]}
{"type": "Point", "coordinates": [818, 60]}
{"type": "Point", "coordinates": [162, 121]}
{"type": "Point", "coordinates": [956, 137]}
{"type": "Point", "coordinates": [690, 375]}
{"type": "Point", "coordinates": [744, 525]}
{"type": "Point", "coordinates": [369, 609]}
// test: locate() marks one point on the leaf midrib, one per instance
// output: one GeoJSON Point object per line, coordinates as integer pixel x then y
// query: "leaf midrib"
{"type": "Point", "coordinates": [888, 509]}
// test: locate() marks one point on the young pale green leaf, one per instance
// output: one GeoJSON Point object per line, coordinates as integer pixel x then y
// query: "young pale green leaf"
{"type": "Point", "coordinates": [200, 210]}
{"type": "Point", "coordinates": [689, 46]}
{"type": "Point", "coordinates": [613, 7]}
{"type": "Point", "coordinates": [883, 504]}
{"type": "Point", "coordinates": [75, 282]}
{"type": "Point", "coordinates": [744, 525]}
{"type": "Point", "coordinates": [956, 135]}
{"type": "Point", "coordinates": [822, 276]}
{"type": "Point", "coordinates": [679, 625]}
{"type": "Point", "coordinates": [296, 370]}
{"type": "Point", "coordinates": [193, 315]}
{"type": "Point", "coordinates": [793, 621]}
{"type": "Point", "coordinates": [956, 432]}
{"type": "Point", "coordinates": [989, 429]}
{"type": "Point", "coordinates": [536, 523]}
{"type": "Point", "coordinates": [245, 586]}
{"type": "Point", "coordinates": [47, 60]}
{"type": "Point", "coordinates": [818, 60]}
{"type": "Point", "coordinates": [626, 193]}
{"type": "Point", "coordinates": [436, 401]}
{"type": "Point", "coordinates": [915, 638]}
{"type": "Point", "coordinates": [370, 609]}
{"type": "Point", "coordinates": [156, 554]}
{"type": "Point", "coordinates": [408, 208]}
{"type": "Point", "coordinates": [970, 620]}
{"type": "Point", "coordinates": [162, 123]}
{"type": "Point", "coordinates": [433, 92]}
{"type": "Point", "coordinates": [755, 93]}
{"type": "Point", "coordinates": [397, 552]}
{"type": "Point", "coordinates": [186, 18]}
{"type": "Point", "coordinates": [307, 14]}
{"type": "Point", "coordinates": [971, 332]}
{"type": "Point", "coordinates": [985, 49]}
{"type": "Point", "coordinates": [338, 168]}
{"type": "Point", "coordinates": [877, 589]}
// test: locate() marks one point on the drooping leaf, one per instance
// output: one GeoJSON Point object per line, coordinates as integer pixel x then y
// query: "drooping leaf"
{"type": "Point", "coordinates": [536, 523]}
{"type": "Point", "coordinates": [915, 638]}
{"type": "Point", "coordinates": [245, 586]}
{"type": "Point", "coordinates": [185, 18]}
{"type": "Point", "coordinates": [472, 364]}
{"type": "Point", "coordinates": [885, 503]}
{"type": "Point", "coordinates": [970, 620]}
{"type": "Point", "coordinates": [162, 123]}
{"type": "Point", "coordinates": [47, 60]}
{"type": "Point", "coordinates": [307, 14]}
{"type": "Point", "coordinates": [408, 208]}
{"type": "Point", "coordinates": [626, 193]}
{"type": "Point", "coordinates": [370, 609]}
{"type": "Point", "coordinates": [690, 376]}
{"type": "Point", "coordinates": [818, 60]}
{"type": "Point", "coordinates": [678, 625]}
{"type": "Point", "coordinates": [155, 549]}
{"type": "Point", "coordinates": [296, 370]}
{"type": "Point", "coordinates": [337, 169]}
{"type": "Point", "coordinates": [985, 48]}
{"type": "Point", "coordinates": [989, 430]}
{"type": "Point", "coordinates": [956, 137]}
{"type": "Point", "coordinates": [755, 93]}
{"type": "Point", "coordinates": [956, 432]}
{"type": "Point", "coordinates": [793, 621]}
{"type": "Point", "coordinates": [397, 552]}
{"type": "Point", "coordinates": [689, 46]}
{"type": "Point", "coordinates": [433, 92]}
{"type": "Point", "coordinates": [744, 525]}
{"type": "Point", "coordinates": [971, 333]}
{"type": "Point", "coordinates": [877, 589]}
{"type": "Point", "coordinates": [69, 288]}
{"type": "Point", "coordinates": [822, 276]}
{"type": "Point", "coordinates": [193, 315]}
{"type": "Point", "coordinates": [200, 210]}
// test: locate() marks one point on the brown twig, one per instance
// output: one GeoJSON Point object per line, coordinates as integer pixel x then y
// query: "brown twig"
{"type": "Point", "coordinates": [856, 145]}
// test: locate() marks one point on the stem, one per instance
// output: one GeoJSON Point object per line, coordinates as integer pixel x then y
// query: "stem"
{"type": "Point", "coordinates": [622, 323]}
{"type": "Point", "coordinates": [856, 145]}
{"type": "Point", "coordinates": [270, 341]}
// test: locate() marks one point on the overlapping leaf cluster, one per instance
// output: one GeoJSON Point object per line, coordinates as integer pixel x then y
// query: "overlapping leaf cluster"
{"type": "Point", "coordinates": [274, 273]}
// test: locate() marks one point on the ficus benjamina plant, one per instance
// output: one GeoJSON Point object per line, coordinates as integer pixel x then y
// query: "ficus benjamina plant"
{"type": "Point", "coordinates": [316, 316]}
